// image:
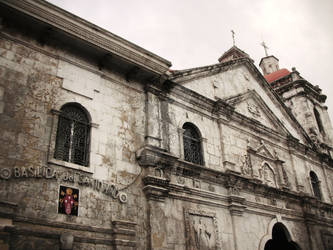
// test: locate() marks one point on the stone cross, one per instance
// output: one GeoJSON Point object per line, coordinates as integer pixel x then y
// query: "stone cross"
{"type": "Point", "coordinates": [233, 37]}
{"type": "Point", "coordinates": [265, 47]}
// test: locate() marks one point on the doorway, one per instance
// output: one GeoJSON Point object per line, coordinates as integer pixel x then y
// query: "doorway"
{"type": "Point", "coordinates": [280, 239]}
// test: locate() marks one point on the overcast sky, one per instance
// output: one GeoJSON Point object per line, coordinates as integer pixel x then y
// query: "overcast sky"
{"type": "Point", "coordinates": [192, 33]}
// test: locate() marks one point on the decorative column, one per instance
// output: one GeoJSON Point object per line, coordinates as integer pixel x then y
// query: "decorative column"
{"type": "Point", "coordinates": [153, 135]}
{"type": "Point", "coordinates": [236, 206]}
{"type": "Point", "coordinates": [236, 209]}
{"type": "Point", "coordinates": [325, 167]}
{"type": "Point", "coordinates": [123, 235]}
{"type": "Point", "coordinates": [224, 112]}
{"type": "Point", "coordinates": [156, 190]}
{"type": "Point", "coordinates": [156, 160]}
{"type": "Point", "coordinates": [292, 144]}
{"type": "Point", "coordinates": [308, 206]}
{"type": "Point", "coordinates": [181, 142]}
{"type": "Point", "coordinates": [156, 164]}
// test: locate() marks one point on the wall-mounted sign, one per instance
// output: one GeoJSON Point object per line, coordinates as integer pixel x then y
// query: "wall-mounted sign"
{"type": "Point", "coordinates": [68, 201]}
{"type": "Point", "coordinates": [65, 176]}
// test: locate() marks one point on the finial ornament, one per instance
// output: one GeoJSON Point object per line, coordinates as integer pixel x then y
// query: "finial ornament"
{"type": "Point", "coordinates": [233, 37]}
{"type": "Point", "coordinates": [265, 47]}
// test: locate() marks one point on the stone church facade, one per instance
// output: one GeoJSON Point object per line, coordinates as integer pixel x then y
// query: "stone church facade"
{"type": "Point", "coordinates": [102, 146]}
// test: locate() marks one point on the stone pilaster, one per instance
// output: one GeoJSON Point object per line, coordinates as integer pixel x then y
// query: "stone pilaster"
{"type": "Point", "coordinates": [236, 208]}
{"type": "Point", "coordinates": [123, 235]}
{"type": "Point", "coordinates": [156, 164]}
{"type": "Point", "coordinates": [153, 134]}
{"type": "Point", "coordinates": [156, 190]}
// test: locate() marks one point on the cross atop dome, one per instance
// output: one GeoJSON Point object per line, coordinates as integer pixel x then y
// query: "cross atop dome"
{"type": "Point", "coordinates": [233, 37]}
{"type": "Point", "coordinates": [268, 64]}
{"type": "Point", "coordinates": [265, 47]}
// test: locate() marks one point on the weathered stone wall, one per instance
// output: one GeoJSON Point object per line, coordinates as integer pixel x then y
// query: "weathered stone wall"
{"type": "Point", "coordinates": [253, 176]}
{"type": "Point", "coordinates": [35, 80]}
{"type": "Point", "coordinates": [232, 139]}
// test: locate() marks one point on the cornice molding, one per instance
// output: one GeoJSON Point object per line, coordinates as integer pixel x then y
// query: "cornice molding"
{"type": "Point", "coordinates": [162, 167]}
{"type": "Point", "coordinates": [183, 76]}
{"type": "Point", "coordinates": [83, 30]}
{"type": "Point", "coordinates": [308, 90]}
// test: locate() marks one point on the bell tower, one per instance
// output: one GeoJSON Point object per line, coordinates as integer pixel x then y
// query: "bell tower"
{"type": "Point", "coordinates": [268, 64]}
{"type": "Point", "coordinates": [305, 101]}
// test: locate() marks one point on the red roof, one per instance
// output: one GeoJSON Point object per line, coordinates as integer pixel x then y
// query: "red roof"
{"type": "Point", "coordinates": [276, 75]}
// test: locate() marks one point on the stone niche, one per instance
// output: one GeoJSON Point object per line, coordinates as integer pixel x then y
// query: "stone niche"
{"type": "Point", "coordinates": [201, 230]}
{"type": "Point", "coordinates": [260, 164]}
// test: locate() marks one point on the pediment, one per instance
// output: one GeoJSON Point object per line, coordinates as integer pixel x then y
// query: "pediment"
{"type": "Point", "coordinates": [233, 53]}
{"type": "Point", "coordinates": [251, 105]}
{"type": "Point", "coordinates": [240, 84]}
{"type": "Point", "coordinates": [262, 150]}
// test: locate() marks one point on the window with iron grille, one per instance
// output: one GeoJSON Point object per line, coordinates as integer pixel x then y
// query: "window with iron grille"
{"type": "Point", "coordinates": [72, 142]}
{"type": "Point", "coordinates": [192, 144]}
{"type": "Point", "coordinates": [315, 185]}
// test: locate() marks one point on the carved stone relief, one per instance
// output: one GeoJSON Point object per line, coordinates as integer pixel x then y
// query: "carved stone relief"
{"type": "Point", "coordinates": [180, 179]}
{"type": "Point", "coordinates": [211, 188]}
{"type": "Point", "coordinates": [264, 166]}
{"type": "Point", "coordinates": [246, 166]}
{"type": "Point", "coordinates": [196, 183]}
{"type": "Point", "coordinates": [201, 230]}
{"type": "Point", "coordinates": [285, 177]}
{"type": "Point", "coordinates": [234, 186]}
{"type": "Point", "coordinates": [267, 175]}
{"type": "Point", "coordinates": [253, 109]}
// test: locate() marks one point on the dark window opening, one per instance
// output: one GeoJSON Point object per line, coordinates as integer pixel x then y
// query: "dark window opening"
{"type": "Point", "coordinates": [318, 120]}
{"type": "Point", "coordinates": [315, 185]}
{"type": "Point", "coordinates": [192, 144]}
{"type": "Point", "coordinates": [72, 142]}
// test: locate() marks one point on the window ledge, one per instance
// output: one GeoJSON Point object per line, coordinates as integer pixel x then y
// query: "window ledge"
{"type": "Point", "coordinates": [192, 164]}
{"type": "Point", "coordinates": [71, 165]}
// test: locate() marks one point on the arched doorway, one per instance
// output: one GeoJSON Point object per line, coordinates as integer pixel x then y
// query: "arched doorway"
{"type": "Point", "coordinates": [280, 239]}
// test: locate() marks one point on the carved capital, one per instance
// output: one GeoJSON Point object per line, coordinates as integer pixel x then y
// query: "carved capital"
{"type": "Point", "coordinates": [155, 193]}
{"type": "Point", "coordinates": [156, 188]}
{"type": "Point", "coordinates": [236, 205]}
{"type": "Point", "coordinates": [153, 156]}
{"type": "Point", "coordinates": [234, 185]}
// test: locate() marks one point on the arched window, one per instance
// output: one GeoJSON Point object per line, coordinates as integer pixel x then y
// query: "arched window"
{"type": "Point", "coordinates": [318, 120]}
{"type": "Point", "coordinates": [72, 142]}
{"type": "Point", "coordinates": [315, 185]}
{"type": "Point", "coordinates": [192, 144]}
